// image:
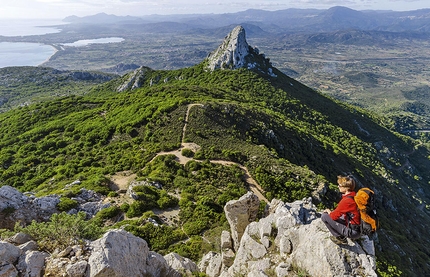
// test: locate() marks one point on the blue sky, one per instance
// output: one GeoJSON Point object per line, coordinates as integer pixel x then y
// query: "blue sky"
{"type": "Point", "coordinates": [63, 8]}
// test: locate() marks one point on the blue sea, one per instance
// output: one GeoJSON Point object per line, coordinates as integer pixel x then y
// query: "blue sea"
{"type": "Point", "coordinates": [28, 27]}
{"type": "Point", "coordinates": [33, 54]}
{"type": "Point", "coordinates": [23, 54]}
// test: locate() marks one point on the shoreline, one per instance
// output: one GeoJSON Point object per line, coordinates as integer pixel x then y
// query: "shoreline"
{"type": "Point", "coordinates": [56, 49]}
{"type": "Point", "coordinates": [25, 53]}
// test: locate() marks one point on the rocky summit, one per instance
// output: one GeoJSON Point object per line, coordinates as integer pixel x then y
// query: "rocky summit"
{"type": "Point", "coordinates": [235, 53]}
{"type": "Point", "coordinates": [289, 240]}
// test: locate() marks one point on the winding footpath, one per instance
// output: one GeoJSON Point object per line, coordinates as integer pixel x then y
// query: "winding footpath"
{"type": "Point", "coordinates": [253, 185]}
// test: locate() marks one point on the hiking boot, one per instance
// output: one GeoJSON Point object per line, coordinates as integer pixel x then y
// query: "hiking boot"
{"type": "Point", "coordinates": [339, 240]}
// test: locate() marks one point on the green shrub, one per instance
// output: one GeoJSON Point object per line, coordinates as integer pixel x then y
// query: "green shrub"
{"type": "Point", "coordinates": [187, 152]}
{"type": "Point", "coordinates": [108, 213]}
{"type": "Point", "coordinates": [195, 227]}
{"type": "Point", "coordinates": [191, 249]}
{"type": "Point", "coordinates": [158, 237]}
{"type": "Point", "coordinates": [137, 208]}
{"type": "Point", "coordinates": [112, 194]}
{"type": "Point", "coordinates": [124, 207]}
{"type": "Point", "coordinates": [66, 204]}
{"type": "Point", "coordinates": [167, 201]}
{"type": "Point", "coordinates": [61, 231]}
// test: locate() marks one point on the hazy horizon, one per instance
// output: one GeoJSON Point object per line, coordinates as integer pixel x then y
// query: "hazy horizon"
{"type": "Point", "coordinates": [59, 9]}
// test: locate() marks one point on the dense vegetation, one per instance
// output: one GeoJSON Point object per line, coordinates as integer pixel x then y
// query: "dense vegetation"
{"type": "Point", "coordinates": [293, 141]}
{"type": "Point", "coordinates": [21, 86]}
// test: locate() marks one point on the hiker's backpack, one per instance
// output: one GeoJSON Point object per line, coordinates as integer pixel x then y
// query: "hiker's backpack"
{"type": "Point", "coordinates": [365, 199]}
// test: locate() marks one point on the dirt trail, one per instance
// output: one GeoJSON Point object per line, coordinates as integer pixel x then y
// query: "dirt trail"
{"type": "Point", "coordinates": [122, 179]}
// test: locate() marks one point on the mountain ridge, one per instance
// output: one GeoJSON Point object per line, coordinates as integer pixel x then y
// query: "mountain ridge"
{"type": "Point", "coordinates": [292, 139]}
{"type": "Point", "coordinates": [296, 20]}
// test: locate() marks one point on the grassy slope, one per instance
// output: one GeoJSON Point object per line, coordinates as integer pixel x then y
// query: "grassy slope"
{"type": "Point", "coordinates": [292, 140]}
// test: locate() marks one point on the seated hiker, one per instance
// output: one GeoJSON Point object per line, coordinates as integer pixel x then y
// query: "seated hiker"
{"type": "Point", "coordinates": [344, 221]}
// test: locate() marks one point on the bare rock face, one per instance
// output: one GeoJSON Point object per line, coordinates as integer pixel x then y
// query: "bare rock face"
{"type": "Point", "coordinates": [7, 269]}
{"type": "Point", "coordinates": [180, 266]}
{"type": "Point", "coordinates": [118, 253]}
{"type": "Point", "coordinates": [9, 252]}
{"type": "Point", "coordinates": [235, 53]}
{"type": "Point", "coordinates": [24, 208]}
{"type": "Point", "coordinates": [158, 266]}
{"type": "Point", "coordinates": [32, 263]}
{"type": "Point", "coordinates": [11, 198]}
{"type": "Point", "coordinates": [240, 213]}
{"type": "Point", "coordinates": [135, 80]}
{"type": "Point", "coordinates": [232, 52]}
{"type": "Point", "coordinates": [292, 236]}
{"type": "Point", "coordinates": [211, 263]}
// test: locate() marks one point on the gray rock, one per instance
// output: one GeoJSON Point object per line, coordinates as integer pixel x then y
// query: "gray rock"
{"type": "Point", "coordinates": [29, 246]}
{"type": "Point", "coordinates": [77, 269]}
{"type": "Point", "coordinates": [240, 213]}
{"type": "Point", "coordinates": [118, 253]}
{"type": "Point", "coordinates": [156, 266]}
{"type": "Point", "coordinates": [92, 208]}
{"type": "Point", "coordinates": [226, 240]}
{"type": "Point", "coordinates": [227, 256]}
{"type": "Point", "coordinates": [283, 268]}
{"type": "Point", "coordinates": [285, 245]}
{"type": "Point", "coordinates": [232, 52]}
{"type": "Point", "coordinates": [32, 263]}
{"type": "Point", "coordinates": [300, 239]}
{"type": "Point", "coordinates": [10, 197]}
{"type": "Point", "coordinates": [257, 273]}
{"type": "Point", "coordinates": [135, 80]}
{"type": "Point", "coordinates": [46, 203]}
{"type": "Point", "coordinates": [260, 265]}
{"type": "Point", "coordinates": [9, 252]}
{"type": "Point", "coordinates": [65, 252]}
{"type": "Point", "coordinates": [19, 238]}
{"type": "Point", "coordinates": [211, 264]}
{"type": "Point", "coordinates": [181, 264]}
{"type": "Point", "coordinates": [7, 269]}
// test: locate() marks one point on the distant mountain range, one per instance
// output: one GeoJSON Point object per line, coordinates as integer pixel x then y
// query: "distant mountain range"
{"type": "Point", "coordinates": [289, 20]}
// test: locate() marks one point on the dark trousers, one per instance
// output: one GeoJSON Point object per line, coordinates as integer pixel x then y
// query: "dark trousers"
{"type": "Point", "coordinates": [339, 228]}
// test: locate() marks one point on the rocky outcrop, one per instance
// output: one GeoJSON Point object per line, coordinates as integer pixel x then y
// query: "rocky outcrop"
{"type": "Point", "coordinates": [18, 207]}
{"type": "Point", "coordinates": [118, 253]}
{"type": "Point", "coordinates": [235, 53]}
{"type": "Point", "coordinates": [25, 207]}
{"type": "Point", "coordinates": [239, 214]}
{"type": "Point", "coordinates": [232, 52]}
{"type": "Point", "coordinates": [291, 238]}
{"type": "Point", "coordinates": [135, 79]}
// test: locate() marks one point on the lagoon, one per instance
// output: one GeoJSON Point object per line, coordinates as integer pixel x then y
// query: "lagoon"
{"type": "Point", "coordinates": [34, 54]}
{"type": "Point", "coordinates": [85, 42]}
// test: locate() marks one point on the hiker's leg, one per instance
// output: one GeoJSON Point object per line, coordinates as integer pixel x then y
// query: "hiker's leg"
{"type": "Point", "coordinates": [353, 233]}
{"type": "Point", "coordinates": [336, 229]}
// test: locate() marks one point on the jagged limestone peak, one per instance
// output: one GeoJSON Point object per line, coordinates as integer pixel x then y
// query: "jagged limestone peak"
{"type": "Point", "coordinates": [232, 52]}
{"type": "Point", "coordinates": [235, 53]}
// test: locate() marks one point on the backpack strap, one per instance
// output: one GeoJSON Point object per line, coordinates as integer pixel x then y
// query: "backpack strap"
{"type": "Point", "coordinates": [348, 216]}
